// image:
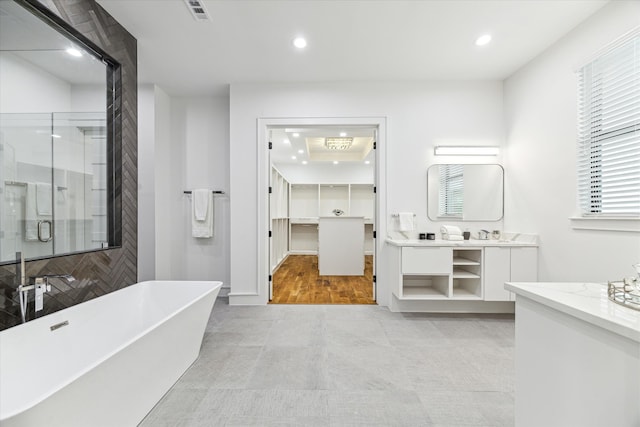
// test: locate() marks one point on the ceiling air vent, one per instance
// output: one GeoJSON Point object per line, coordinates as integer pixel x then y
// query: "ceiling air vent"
{"type": "Point", "coordinates": [197, 9]}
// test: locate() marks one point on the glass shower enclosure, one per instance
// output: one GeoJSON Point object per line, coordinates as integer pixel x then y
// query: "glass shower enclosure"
{"type": "Point", "coordinates": [53, 169]}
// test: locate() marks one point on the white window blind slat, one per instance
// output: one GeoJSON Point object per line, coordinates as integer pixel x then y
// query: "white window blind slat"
{"type": "Point", "coordinates": [451, 194]}
{"type": "Point", "coordinates": [609, 132]}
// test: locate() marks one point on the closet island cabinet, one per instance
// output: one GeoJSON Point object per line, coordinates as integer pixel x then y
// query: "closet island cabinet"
{"type": "Point", "coordinates": [473, 270]}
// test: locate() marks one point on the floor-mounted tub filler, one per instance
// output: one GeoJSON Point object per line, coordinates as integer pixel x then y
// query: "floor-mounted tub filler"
{"type": "Point", "coordinates": [105, 362]}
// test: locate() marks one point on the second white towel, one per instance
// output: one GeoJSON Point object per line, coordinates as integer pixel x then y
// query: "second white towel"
{"type": "Point", "coordinates": [451, 230]}
{"type": "Point", "coordinates": [405, 221]}
{"type": "Point", "coordinates": [202, 213]}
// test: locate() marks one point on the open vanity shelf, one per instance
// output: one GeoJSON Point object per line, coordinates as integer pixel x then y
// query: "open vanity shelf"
{"type": "Point", "coordinates": [466, 278]}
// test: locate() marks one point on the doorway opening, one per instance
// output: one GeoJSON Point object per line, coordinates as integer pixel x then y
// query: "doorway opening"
{"type": "Point", "coordinates": [322, 214]}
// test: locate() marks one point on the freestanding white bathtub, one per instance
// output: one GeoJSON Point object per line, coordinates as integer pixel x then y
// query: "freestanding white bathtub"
{"type": "Point", "coordinates": [105, 362]}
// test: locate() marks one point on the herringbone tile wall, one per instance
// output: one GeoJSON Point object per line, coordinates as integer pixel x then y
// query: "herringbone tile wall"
{"type": "Point", "coordinates": [100, 272]}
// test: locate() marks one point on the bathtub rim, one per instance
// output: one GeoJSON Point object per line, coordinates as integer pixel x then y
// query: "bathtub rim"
{"type": "Point", "coordinates": [59, 386]}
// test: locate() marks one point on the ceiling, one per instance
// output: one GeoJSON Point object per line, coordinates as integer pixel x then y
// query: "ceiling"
{"type": "Point", "coordinates": [348, 40]}
{"type": "Point", "coordinates": [306, 144]}
{"type": "Point", "coordinates": [31, 40]}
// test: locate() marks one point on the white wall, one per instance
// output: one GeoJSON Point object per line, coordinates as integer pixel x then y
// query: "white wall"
{"type": "Point", "coordinates": [351, 173]}
{"type": "Point", "coordinates": [541, 114]}
{"type": "Point", "coordinates": [419, 116]}
{"type": "Point", "coordinates": [183, 144]}
{"type": "Point", "coordinates": [146, 183]}
{"type": "Point", "coordinates": [90, 98]}
{"type": "Point", "coordinates": [163, 187]}
{"type": "Point", "coordinates": [25, 88]}
{"type": "Point", "coordinates": [201, 127]}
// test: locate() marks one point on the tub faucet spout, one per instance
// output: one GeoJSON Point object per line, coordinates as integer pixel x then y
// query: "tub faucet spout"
{"type": "Point", "coordinates": [41, 286]}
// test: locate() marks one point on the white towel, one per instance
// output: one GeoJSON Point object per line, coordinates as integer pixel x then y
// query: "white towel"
{"type": "Point", "coordinates": [405, 221]}
{"type": "Point", "coordinates": [452, 237]}
{"type": "Point", "coordinates": [30, 213]}
{"type": "Point", "coordinates": [451, 230]}
{"type": "Point", "coordinates": [43, 198]}
{"type": "Point", "coordinates": [200, 203]}
{"type": "Point", "coordinates": [202, 229]}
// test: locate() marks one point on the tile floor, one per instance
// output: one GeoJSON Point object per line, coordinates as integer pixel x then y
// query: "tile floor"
{"type": "Point", "coordinates": [337, 365]}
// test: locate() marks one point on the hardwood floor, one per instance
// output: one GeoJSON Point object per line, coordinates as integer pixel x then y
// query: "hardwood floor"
{"type": "Point", "coordinates": [297, 282]}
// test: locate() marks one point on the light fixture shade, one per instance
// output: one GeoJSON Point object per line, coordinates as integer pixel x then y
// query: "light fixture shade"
{"type": "Point", "coordinates": [456, 150]}
{"type": "Point", "coordinates": [338, 143]}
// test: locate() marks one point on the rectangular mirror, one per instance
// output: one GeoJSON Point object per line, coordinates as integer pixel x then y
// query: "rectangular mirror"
{"type": "Point", "coordinates": [469, 192]}
{"type": "Point", "coordinates": [57, 97]}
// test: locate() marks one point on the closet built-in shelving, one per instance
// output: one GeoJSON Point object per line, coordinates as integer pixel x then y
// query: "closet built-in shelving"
{"type": "Point", "coordinates": [296, 208]}
{"type": "Point", "coordinates": [279, 207]}
{"type": "Point", "coordinates": [308, 202]}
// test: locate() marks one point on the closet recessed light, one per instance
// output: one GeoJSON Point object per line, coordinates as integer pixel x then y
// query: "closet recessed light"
{"type": "Point", "coordinates": [483, 40]}
{"type": "Point", "coordinates": [296, 134]}
{"type": "Point", "coordinates": [300, 151]}
{"type": "Point", "coordinates": [343, 134]}
{"type": "Point", "coordinates": [335, 162]}
{"type": "Point", "coordinates": [53, 135]}
{"type": "Point", "coordinates": [304, 162]}
{"type": "Point", "coordinates": [366, 162]}
{"type": "Point", "coordinates": [293, 157]}
{"type": "Point", "coordinates": [300, 42]}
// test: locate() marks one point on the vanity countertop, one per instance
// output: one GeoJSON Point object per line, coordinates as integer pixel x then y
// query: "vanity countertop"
{"type": "Point", "coordinates": [473, 243]}
{"type": "Point", "coordinates": [585, 301]}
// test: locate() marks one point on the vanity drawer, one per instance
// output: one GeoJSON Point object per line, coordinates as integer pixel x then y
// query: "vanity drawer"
{"type": "Point", "coordinates": [426, 260]}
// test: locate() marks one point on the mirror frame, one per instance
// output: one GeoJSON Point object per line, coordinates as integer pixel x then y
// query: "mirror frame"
{"type": "Point", "coordinates": [452, 219]}
{"type": "Point", "coordinates": [113, 125]}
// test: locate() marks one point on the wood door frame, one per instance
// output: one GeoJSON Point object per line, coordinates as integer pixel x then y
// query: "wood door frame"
{"type": "Point", "coordinates": [264, 178]}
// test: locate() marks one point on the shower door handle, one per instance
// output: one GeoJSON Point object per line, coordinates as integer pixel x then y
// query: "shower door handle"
{"type": "Point", "coordinates": [41, 236]}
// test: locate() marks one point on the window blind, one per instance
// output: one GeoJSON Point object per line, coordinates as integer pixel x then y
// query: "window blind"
{"type": "Point", "coordinates": [609, 132]}
{"type": "Point", "coordinates": [450, 201]}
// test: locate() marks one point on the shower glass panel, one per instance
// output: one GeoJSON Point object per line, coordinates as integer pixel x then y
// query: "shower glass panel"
{"type": "Point", "coordinates": [53, 184]}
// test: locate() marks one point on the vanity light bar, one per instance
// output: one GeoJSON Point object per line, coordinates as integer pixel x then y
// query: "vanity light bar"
{"type": "Point", "coordinates": [456, 150]}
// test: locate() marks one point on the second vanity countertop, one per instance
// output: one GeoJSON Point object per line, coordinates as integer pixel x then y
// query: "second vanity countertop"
{"type": "Point", "coordinates": [461, 243]}
{"type": "Point", "coordinates": [585, 301]}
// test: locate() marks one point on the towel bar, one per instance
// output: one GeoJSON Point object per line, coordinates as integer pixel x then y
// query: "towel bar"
{"type": "Point", "coordinates": [213, 191]}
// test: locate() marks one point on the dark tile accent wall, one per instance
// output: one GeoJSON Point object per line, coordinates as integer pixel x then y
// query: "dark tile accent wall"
{"type": "Point", "coordinates": [101, 272]}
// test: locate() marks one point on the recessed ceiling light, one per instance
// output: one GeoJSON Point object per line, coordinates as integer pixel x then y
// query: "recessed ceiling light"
{"type": "Point", "coordinates": [366, 162]}
{"type": "Point", "coordinates": [295, 135]}
{"type": "Point", "coordinates": [300, 151]}
{"type": "Point", "coordinates": [74, 52]}
{"type": "Point", "coordinates": [343, 134]}
{"type": "Point", "coordinates": [304, 162]}
{"type": "Point", "coordinates": [335, 162]}
{"type": "Point", "coordinates": [300, 42]}
{"type": "Point", "coordinates": [293, 157]}
{"type": "Point", "coordinates": [53, 135]}
{"type": "Point", "coordinates": [483, 40]}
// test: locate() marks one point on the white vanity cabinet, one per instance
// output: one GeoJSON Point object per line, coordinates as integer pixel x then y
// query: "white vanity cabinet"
{"type": "Point", "coordinates": [454, 276]}
{"type": "Point", "coordinates": [508, 264]}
